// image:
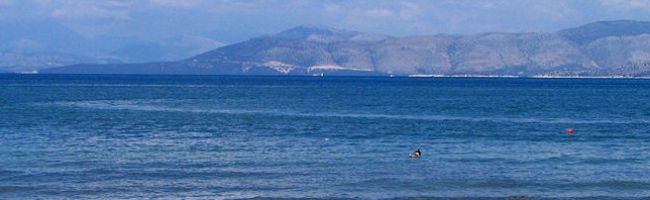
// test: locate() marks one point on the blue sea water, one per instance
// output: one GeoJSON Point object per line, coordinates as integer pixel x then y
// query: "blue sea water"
{"type": "Point", "coordinates": [213, 137]}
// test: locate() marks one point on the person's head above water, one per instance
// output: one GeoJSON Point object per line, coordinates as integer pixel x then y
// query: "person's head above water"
{"type": "Point", "coordinates": [417, 153]}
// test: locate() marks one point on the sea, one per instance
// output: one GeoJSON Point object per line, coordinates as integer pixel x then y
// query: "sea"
{"type": "Point", "coordinates": [238, 137]}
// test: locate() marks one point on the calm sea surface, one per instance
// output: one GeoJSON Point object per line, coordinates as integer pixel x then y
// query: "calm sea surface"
{"type": "Point", "coordinates": [98, 137]}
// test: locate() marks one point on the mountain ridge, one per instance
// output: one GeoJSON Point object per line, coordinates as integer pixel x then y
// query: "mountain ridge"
{"type": "Point", "coordinates": [31, 45]}
{"type": "Point", "coordinates": [619, 47]}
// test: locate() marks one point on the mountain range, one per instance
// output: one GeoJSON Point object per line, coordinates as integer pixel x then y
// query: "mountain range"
{"type": "Point", "coordinates": [605, 48]}
{"type": "Point", "coordinates": [30, 46]}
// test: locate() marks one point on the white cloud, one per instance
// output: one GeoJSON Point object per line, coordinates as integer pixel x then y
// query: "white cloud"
{"type": "Point", "coordinates": [332, 8]}
{"type": "Point", "coordinates": [560, 10]}
{"type": "Point", "coordinates": [177, 3]}
{"type": "Point", "coordinates": [627, 4]}
{"type": "Point", "coordinates": [6, 2]}
{"type": "Point", "coordinates": [403, 17]}
{"type": "Point", "coordinates": [379, 13]}
{"type": "Point", "coordinates": [112, 9]}
{"type": "Point", "coordinates": [408, 10]}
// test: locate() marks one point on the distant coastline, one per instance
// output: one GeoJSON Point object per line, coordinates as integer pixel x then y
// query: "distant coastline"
{"type": "Point", "coordinates": [418, 76]}
{"type": "Point", "coordinates": [512, 76]}
{"type": "Point", "coordinates": [604, 49]}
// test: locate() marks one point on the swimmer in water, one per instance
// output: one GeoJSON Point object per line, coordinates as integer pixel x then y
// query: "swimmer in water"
{"type": "Point", "coordinates": [416, 154]}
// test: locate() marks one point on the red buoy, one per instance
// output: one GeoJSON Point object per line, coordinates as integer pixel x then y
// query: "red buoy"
{"type": "Point", "coordinates": [569, 131]}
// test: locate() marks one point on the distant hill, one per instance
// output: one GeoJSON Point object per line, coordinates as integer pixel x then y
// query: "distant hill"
{"type": "Point", "coordinates": [169, 49]}
{"type": "Point", "coordinates": [35, 45]}
{"type": "Point", "coordinates": [593, 31]}
{"type": "Point", "coordinates": [604, 48]}
{"type": "Point", "coordinates": [33, 62]}
{"type": "Point", "coordinates": [39, 36]}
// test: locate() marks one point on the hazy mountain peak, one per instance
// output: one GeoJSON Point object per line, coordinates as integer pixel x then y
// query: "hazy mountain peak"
{"type": "Point", "coordinates": [39, 36]}
{"type": "Point", "coordinates": [315, 33]}
{"type": "Point", "coordinates": [589, 32]}
{"type": "Point", "coordinates": [316, 29]}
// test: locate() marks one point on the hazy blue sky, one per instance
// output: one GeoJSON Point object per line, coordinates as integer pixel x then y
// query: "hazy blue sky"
{"type": "Point", "coordinates": [237, 20]}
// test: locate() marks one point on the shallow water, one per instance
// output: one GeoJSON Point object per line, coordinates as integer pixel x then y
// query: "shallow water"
{"type": "Point", "coordinates": [97, 137]}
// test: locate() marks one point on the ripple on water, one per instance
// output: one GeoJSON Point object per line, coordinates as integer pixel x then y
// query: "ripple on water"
{"type": "Point", "coordinates": [159, 105]}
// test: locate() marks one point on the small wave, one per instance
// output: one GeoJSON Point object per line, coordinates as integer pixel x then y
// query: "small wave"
{"type": "Point", "coordinates": [9, 172]}
{"type": "Point", "coordinates": [7, 189]}
{"type": "Point", "coordinates": [500, 183]}
{"type": "Point", "coordinates": [616, 184]}
{"type": "Point", "coordinates": [149, 105]}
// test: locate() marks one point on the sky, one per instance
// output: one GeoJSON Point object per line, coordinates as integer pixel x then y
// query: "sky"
{"type": "Point", "coordinates": [232, 21]}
